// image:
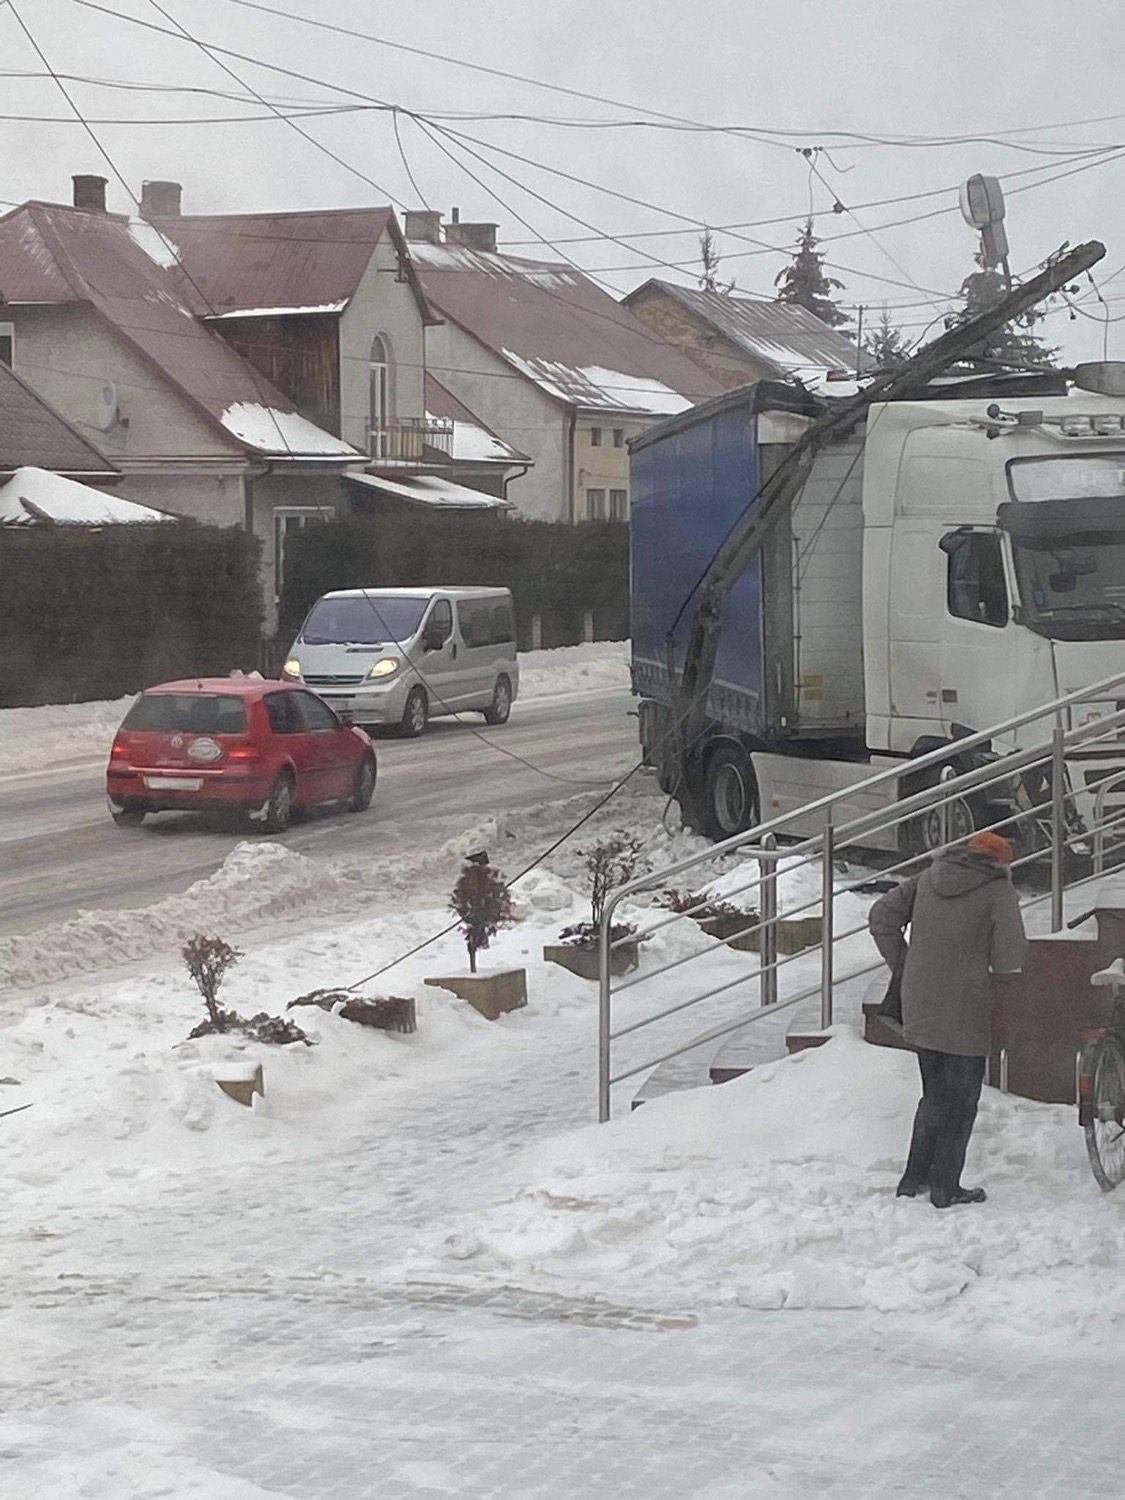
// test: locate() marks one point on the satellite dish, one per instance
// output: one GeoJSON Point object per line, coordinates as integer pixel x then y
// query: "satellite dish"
{"type": "Point", "coordinates": [107, 411]}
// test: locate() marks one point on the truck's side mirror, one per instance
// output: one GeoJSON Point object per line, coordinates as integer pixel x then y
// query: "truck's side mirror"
{"type": "Point", "coordinates": [953, 541]}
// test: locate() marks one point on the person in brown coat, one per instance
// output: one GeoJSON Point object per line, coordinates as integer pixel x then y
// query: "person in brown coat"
{"type": "Point", "coordinates": [965, 925]}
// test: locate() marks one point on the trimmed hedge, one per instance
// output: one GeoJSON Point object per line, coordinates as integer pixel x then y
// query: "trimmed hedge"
{"type": "Point", "coordinates": [555, 572]}
{"type": "Point", "coordinates": [98, 614]}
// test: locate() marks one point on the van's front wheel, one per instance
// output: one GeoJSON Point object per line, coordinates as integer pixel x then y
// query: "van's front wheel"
{"type": "Point", "coordinates": [416, 714]}
{"type": "Point", "coordinates": [500, 708]}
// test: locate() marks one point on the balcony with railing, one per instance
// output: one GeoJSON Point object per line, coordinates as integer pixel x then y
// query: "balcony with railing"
{"type": "Point", "coordinates": [411, 440]}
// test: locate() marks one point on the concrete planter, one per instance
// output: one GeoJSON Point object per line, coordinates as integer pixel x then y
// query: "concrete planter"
{"type": "Point", "coordinates": [584, 961]}
{"type": "Point", "coordinates": [794, 934]}
{"type": "Point", "coordinates": [492, 994]}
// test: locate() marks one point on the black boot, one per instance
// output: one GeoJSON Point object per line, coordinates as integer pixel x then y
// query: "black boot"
{"type": "Point", "coordinates": [941, 1199]}
{"type": "Point", "coordinates": [910, 1188]}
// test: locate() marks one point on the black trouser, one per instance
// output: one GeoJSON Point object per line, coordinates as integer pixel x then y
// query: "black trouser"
{"type": "Point", "coordinates": [944, 1121]}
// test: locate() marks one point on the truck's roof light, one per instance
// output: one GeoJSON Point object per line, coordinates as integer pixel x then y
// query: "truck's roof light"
{"type": "Point", "coordinates": [1106, 423]}
{"type": "Point", "coordinates": [1077, 426]}
{"type": "Point", "coordinates": [1105, 377]}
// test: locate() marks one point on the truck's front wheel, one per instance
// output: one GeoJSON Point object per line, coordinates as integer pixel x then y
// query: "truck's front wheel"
{"type": "Point", "coordinates": [730, 793]}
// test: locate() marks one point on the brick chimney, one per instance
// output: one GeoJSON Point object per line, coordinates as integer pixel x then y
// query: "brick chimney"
{"type": "Point", "coordinates": [161, 200]}
{"type": "Point", "coordinates": [422, 224]}
{"type": "Point", "coordinates": [480, 237]}
{"type": "Point", "coordinates": [89, 192]}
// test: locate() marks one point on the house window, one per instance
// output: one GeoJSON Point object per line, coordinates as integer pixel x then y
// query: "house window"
{"type": "Point", "coordinates": [595, 437]}
{"type": "Point", "coordinates": [8, 344]}
{"type": "Point", "coordinates": [287, 521]}
{"type": "Point", "coordinates": [595, 505]}
{"type": "Point", "coordinates": [380, 399]}
{"type": "Point", "coordinates": [619, 437]}
{"type": "Point", "coordinates": [618, 504]}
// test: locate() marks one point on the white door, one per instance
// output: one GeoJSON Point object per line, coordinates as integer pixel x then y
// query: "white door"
{"type": "Point", "coordinates": [438, 659]}
{"type": "Point", "coordinates": [915, 607]}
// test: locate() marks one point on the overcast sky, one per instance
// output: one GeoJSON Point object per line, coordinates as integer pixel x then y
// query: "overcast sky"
{"type": "Point", "coordinates": [1025, 71]}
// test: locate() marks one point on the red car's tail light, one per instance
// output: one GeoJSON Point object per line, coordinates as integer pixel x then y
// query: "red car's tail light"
{"type": "Point", "coordinates": [119, 751]}
{"type": "Point", "coordinates": [242, 752]}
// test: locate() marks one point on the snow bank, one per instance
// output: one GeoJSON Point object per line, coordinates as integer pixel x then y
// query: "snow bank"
{"type": "Point", "coordinates": [573, 669]}
{"type": "Point", "coordinates": [32, 738]}
{"type": "Point", "coordinates": [777, 1191]}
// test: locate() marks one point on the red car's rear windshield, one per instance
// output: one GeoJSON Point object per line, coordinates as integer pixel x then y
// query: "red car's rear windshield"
{"type": "Point", "coordinates": [193, 713]}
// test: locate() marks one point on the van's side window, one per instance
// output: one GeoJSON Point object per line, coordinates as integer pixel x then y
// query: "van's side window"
{"type": "Point", "coordinates": [503, 625]}
{"type": "Point", "coordinates": [474, 618]}
{"type": "Point", "coordinates": [975, 588]}
{"type": "Point", "coordinates": [441, 619]}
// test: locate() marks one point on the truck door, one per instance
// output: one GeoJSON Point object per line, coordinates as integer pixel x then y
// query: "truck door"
{"type": "Point", "coordinates": [980, 670]}
{"type": "Point", "coordinates": [915, 602]}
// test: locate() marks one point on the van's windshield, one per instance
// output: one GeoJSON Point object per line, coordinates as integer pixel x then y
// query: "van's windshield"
{"type": "Point", "coordinates": [370, 620]}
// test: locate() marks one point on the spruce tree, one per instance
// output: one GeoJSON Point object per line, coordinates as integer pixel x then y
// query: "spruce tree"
{"type": "Point", "coordinates": [804, 283]}
{"type": "Point", "coordinates": [1016, 344]}
{"type": "Point", "coordinates": [886, 346]}
{"type": "Point", "coordinates": [709, 255]}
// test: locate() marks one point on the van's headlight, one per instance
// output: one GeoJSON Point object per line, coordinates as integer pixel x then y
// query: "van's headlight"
{"type": "Point", "coordinates": [384, 667]}
{"type": "Point", "coordinates": [292, 668]}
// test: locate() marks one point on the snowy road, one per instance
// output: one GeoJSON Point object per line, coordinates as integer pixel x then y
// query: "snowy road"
{"type": "Point", "coordinates": [59, 852]}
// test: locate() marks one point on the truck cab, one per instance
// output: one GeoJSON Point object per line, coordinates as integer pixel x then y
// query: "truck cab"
{"type": "Point", "coordinates": [993, 565]}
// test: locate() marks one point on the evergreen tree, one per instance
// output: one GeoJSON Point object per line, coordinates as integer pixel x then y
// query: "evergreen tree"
{"type": "Point", "coordinates": [886, 346]}
{"type": "Point", "coordinates": [709, 255]}
{"type": "Point", "coordinates": [1016, 344]}
{"type": "Point", "coordinates": [804, 283]}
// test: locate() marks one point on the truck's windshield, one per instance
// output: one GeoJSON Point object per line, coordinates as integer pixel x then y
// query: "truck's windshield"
{"type": "Point", "coordinates": [1073, 586]}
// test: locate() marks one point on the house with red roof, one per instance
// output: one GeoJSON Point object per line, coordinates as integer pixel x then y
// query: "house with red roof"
{"type": "Point", "coordinates": [553, 364]}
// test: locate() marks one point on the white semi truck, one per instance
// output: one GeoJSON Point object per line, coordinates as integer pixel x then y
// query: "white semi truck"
{"type": "Point", "coordinates": [954, 560]}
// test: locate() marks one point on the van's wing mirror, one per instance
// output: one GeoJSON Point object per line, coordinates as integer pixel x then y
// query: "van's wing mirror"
{"type": "Point", "coordinates": [433, 638]}
{"type": "Point", "coordinates": [346, 718]}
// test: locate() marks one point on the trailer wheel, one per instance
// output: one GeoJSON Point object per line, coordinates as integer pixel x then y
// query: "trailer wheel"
{"type": "Point", "coordinates": [922, 835]}
{"type": "Point", "coordinates": [730, 793]}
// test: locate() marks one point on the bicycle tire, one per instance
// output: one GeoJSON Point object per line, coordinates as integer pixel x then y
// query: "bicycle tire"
{"type": "Point", "coordinates": [1105, 1132]}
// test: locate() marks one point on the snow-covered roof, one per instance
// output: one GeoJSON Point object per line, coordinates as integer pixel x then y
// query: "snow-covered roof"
{"type": "Point", "coordinates": [788, 340]}
{"type": "Point", "coordinates": [554, 326]}
{"type": "Point", "coordinates": [473, 442]}
{"type": "Point", "coordinates": [429, 489]}
{"type": "Point", "coordinates": [34, 497]}
{"type": "Point", "coordinates": [270, 430]}
{"type": "Point", "coordinates": [53, 254]}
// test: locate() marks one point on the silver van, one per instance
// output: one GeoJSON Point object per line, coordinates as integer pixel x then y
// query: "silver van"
{"type": "Point", "coordinates": [397, 657]}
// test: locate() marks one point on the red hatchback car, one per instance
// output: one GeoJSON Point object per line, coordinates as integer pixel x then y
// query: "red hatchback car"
{"type": "Point", "coordinates": [236, 743]}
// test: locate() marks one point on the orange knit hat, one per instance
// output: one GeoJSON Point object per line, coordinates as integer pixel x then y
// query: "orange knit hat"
{"type": "Point", "coordinates": [993, 845]}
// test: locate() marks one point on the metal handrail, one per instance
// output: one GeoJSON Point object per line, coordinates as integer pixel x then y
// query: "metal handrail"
{"type": "Point", "coordinates": [759, 844]}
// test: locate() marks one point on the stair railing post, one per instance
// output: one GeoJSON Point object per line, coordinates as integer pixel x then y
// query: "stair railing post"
{"type": "Point", "coordinates": [827, 875]}
{"type": "Point", "coordinates": [768, 884]}
{"type": "Point", "coordinates": [1058, 826]}
{"type": "Point", "coordinates": [605, 1040]}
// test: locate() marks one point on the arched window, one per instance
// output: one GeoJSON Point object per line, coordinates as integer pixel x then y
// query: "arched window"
{"type": "Point", "coordinates": [380, 395]}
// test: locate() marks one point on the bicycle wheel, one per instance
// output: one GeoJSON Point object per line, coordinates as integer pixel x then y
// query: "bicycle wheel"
{"type": "Point", "coordinates": [1105, 1132]}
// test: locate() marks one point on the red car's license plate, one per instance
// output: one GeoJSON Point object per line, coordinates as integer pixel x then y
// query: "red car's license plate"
{"type": "Point", "coordinates": [173, 783]}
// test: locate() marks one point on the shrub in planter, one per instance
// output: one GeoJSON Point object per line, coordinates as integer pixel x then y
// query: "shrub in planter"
{"type": "Point", "coordinates": [610, 863]}
{"type": "Point", "coordinates": [208, 960]}
{"type": "Point", "coordinates": [484, 904]}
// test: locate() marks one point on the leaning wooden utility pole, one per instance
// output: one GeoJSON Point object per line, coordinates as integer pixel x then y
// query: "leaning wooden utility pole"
{"type": "Point", "coordinates": [689, 688]}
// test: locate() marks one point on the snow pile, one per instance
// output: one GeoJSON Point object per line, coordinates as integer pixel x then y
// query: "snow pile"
{"type": "Point", "coordinates": [32, 738]}
{"type": "Point", "coordinates": [573, 669]}
{"type": "Point", "coordinates": [777, 1191]}
{"type": "Point", "coordinates": [256, 883]}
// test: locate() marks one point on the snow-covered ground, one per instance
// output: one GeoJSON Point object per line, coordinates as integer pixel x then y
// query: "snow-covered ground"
{"type": "Point", "coordinates": [33, 738]}
{"type": "Point", "coordinates": [419, 1269]}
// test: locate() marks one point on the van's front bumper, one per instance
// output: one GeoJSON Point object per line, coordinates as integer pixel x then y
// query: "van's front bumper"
{"type": "Point", "coordinates": [368, 702]}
